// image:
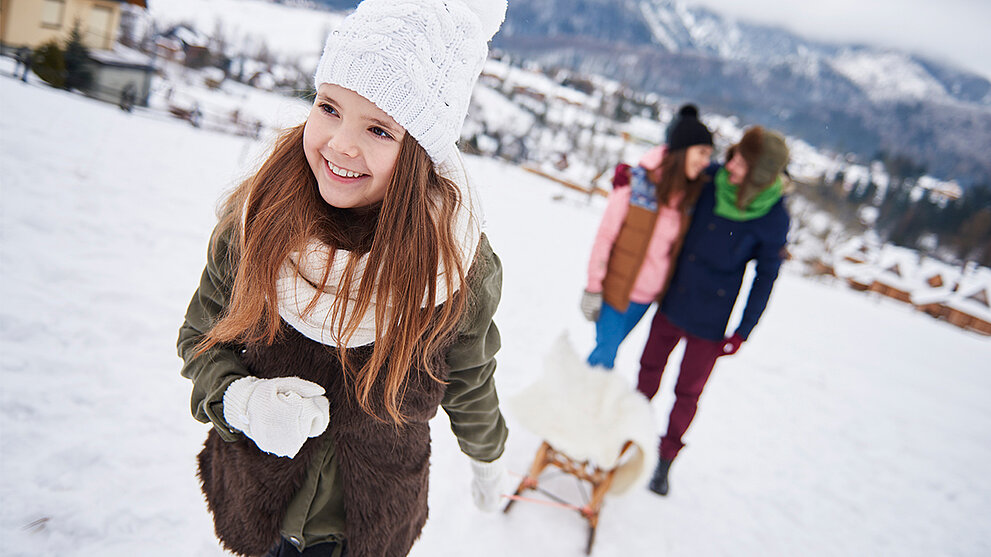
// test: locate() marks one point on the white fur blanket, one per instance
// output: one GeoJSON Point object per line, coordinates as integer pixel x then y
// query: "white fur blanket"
{"type": "Point", "coordinates": [590, 414]}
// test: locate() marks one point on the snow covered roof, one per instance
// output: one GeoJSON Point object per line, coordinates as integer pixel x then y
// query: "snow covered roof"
{"type": "Point", "coordinates": [214, 74]}
{"type": "Point", "coordinates": [857, 249]}
{"type": "Point", "coordinates": [950, 190]}
{"type": "Point", "coordinates": [856, 173]}
{"type": "Point", "coordinates": [935, 282]}
{"type": "Point", "coordinates": [897, 267]}
{"type": "Point", "coordinates": [122, 56]}
{"type": "Point", "coordinates": [973, 296]}
{"type": "Point", "coordinates": [804, 245]}
{"type": "Point", "coordinates": [188, 36]}
{"type": "Point", "coordinates": [862, 273]}
{"type": "Point", "coordinates": [537, 83]}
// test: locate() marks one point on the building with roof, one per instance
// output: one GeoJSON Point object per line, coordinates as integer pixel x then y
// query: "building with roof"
{"type": "Point", "coordinates": [969, 306]}
{"type": "Point", "coordinates": [33, 23]}
{"type": "Point", "coordinates": [120, 75]}
{"type": "Point", "coordinates": [895, 273]}
{"type": "Point", "coordinates": [853, 262]}
{"type": "Point", "coordinates": [936, 282]}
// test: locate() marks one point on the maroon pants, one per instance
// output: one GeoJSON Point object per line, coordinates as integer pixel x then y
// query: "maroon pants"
{"type": "Point", "coordinates": [696, 365]}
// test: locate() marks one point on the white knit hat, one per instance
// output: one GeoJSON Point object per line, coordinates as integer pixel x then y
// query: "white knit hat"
{"type": "Point", "coordinates": [417, 60]}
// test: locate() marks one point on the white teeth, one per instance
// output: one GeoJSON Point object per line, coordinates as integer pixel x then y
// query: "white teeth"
{"type": "Point", "coordinates": [342, 172]}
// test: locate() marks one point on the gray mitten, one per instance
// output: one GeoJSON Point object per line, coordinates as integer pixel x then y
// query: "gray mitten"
{"type": "Point", "coordinates": [591, 305]}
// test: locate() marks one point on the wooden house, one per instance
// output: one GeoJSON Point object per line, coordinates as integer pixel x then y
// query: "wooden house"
{"type": "Point", "coordinates": [896, 272]}
{"type": "Point", "coordinates": [852, 261]}
{"type": "Point", "coordinates": [935, 284]}
{"type": "Point", "coordinates": [970, 305]}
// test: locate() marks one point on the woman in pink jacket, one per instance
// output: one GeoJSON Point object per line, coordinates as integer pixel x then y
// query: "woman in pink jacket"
{"type": "Point", "coordinates": [641, 233]}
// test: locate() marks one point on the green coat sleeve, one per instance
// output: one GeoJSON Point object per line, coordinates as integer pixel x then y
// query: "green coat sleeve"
{"type": "Point", "coordinates": [212, 371]}
{"type": "Point", "coordinates": [471, 401]}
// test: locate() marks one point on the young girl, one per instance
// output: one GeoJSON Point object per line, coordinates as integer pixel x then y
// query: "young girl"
{"type": "Point", "coordinates": [348, 292]}
{"type": "Point", "coordinates": [641, 231]}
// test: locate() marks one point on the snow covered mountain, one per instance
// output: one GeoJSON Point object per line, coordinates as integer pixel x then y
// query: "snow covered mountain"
{"type": "Point", "coordinates": [674, 27]}
{"type": "Point", "coordinates": [840, 98]}
{"type": "Point", "coordinates": [844, 97]}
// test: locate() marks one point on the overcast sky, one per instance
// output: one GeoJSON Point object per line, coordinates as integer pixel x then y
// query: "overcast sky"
{"type": "Point", "coordinates": [957, 31]}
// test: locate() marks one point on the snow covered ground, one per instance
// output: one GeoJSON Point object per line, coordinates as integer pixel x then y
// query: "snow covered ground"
{"type": "Point", "coordinates": [848, 425]}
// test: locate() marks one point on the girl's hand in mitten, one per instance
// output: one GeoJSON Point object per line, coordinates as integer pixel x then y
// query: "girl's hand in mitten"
{"type": "Point", "coordinates": [278, 414]}
{"type": "Point", "coordinates": [487, 484]}
{"type": "Point", "coordinates": [591, 305]}
{"type": "Point", "coordinates": [621, 176]}
{"type": "Point", "coordinates": [731, 345]}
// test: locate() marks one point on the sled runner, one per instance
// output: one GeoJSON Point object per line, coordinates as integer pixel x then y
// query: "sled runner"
{"type": "Point", "coordinates": [599, 479]}
{"type": "Point", "coordinates": [594, 426]}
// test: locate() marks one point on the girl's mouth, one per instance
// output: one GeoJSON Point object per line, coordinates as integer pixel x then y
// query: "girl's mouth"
{"type": "Point", "coordinates": [343, 172]}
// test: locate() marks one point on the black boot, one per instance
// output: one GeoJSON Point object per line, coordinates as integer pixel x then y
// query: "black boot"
{"type": "Point", "coordinates": [659, 483]}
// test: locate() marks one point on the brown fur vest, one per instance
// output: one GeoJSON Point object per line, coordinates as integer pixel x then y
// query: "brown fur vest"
{"type": "Point", "coordinates": [383, 468]}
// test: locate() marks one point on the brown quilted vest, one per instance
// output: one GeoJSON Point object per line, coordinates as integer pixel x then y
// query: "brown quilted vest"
{"type": "Point", "coordinates": [628, 254]}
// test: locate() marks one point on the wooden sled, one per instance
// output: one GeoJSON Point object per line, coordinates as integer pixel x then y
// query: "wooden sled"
{"type": "Point", "coordinates": [599, 479]}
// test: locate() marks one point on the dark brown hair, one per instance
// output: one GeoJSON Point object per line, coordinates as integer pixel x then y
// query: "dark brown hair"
{"type": "Point", "coordinates": [673, 181]}
{"type": "Point", "coordinates": [279, 209]}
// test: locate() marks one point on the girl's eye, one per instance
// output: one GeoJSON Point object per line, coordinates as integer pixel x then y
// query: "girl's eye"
{"type": "Point", "coordinates": [328, 109]}
{"type": "Point", "coordinates": [380, 132]}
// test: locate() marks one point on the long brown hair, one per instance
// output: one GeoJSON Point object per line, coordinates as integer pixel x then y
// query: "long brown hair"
{"type": "Point", "coordinates": [673, 181]}
{"type": "Point", "coordinates": [279, 209]}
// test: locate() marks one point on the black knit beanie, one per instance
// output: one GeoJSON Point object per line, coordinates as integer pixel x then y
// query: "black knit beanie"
{"type": "Point", "coordinates": [686, 130]}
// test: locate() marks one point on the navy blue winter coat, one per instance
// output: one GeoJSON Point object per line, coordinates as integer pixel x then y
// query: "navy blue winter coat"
{"type": "Point", "coordinates": [713, 258]}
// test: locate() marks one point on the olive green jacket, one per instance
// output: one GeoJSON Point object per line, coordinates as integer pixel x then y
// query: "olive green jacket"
{"type": "Point", "coordinates": [316, 513]}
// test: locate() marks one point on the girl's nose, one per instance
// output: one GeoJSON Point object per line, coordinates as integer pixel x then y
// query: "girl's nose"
{"type": "Point", "coordinates": [343, 142]}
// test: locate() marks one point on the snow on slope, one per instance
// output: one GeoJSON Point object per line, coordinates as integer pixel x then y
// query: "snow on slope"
{"type": "Point", "coordinates": [887, 76]}
{"type": "Point", "coordinates": [847, 425]}
{"type": "Point", "coordinates": [292, 31]}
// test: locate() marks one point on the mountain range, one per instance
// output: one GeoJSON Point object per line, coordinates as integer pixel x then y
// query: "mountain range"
{"type": "Point", "coordinates": [849, 98]}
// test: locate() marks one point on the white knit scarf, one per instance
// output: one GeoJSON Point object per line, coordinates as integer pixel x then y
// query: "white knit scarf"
{"type": "Point", "coordinates": [301, 271]}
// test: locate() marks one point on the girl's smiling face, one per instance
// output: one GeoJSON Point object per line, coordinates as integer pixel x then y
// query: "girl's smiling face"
{"type": "Point", "coordinates": [696, 159]}
{"type": "Point", "coordinates": [737, 168]}
{"type": "Point", "coordinates": [351, 146]}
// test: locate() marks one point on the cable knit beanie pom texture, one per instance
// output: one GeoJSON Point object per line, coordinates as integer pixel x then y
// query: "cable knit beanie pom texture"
{"type": "Point", "coordinates": [686, 130]}
{"type": "Point", "coordinates": [417, 60]}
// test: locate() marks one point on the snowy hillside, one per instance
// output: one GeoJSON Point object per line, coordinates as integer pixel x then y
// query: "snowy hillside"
{"type": "Point", "coordinates": [246, 26]}
{"type": "Point", "coordinates": [871, 100]}
{"type": "Point", "coordinates": [888, 76]}
{"type": "Point", "coordinates": [847, 425]}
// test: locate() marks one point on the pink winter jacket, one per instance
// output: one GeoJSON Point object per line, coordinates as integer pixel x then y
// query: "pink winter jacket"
{"type": "Point", "coordinates": [654, 271]}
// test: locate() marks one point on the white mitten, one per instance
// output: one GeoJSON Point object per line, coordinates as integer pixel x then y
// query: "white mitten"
{"type": "Point", "coordinates": [487, 484]}
{"type": "Point", "coordinates": [278, 414]}
{"type": "Point", "coordinates": [591, 305]}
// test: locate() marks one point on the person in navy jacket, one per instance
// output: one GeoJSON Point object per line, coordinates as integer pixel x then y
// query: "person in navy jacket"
{"type": "Point", "coordinates": [740, 217]}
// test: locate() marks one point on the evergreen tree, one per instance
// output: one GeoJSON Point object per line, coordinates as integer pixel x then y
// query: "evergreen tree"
{"type": "Point", "coordinates": [78, 70]}
{"type": "Point", "coordinates": [48, 63]}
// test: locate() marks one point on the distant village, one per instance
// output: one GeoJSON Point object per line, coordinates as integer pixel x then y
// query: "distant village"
{"type": "Point", "coordinates": [569, 128]}
{"type": "Point", "coordinates": [960, 295]}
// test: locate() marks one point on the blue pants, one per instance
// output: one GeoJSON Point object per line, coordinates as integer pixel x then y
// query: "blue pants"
{"type": "Point", "coordinates": [610, 330]}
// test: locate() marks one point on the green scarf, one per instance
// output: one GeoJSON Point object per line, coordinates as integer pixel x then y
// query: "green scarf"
{"type": "Point", "coordinates": [726, 199]}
